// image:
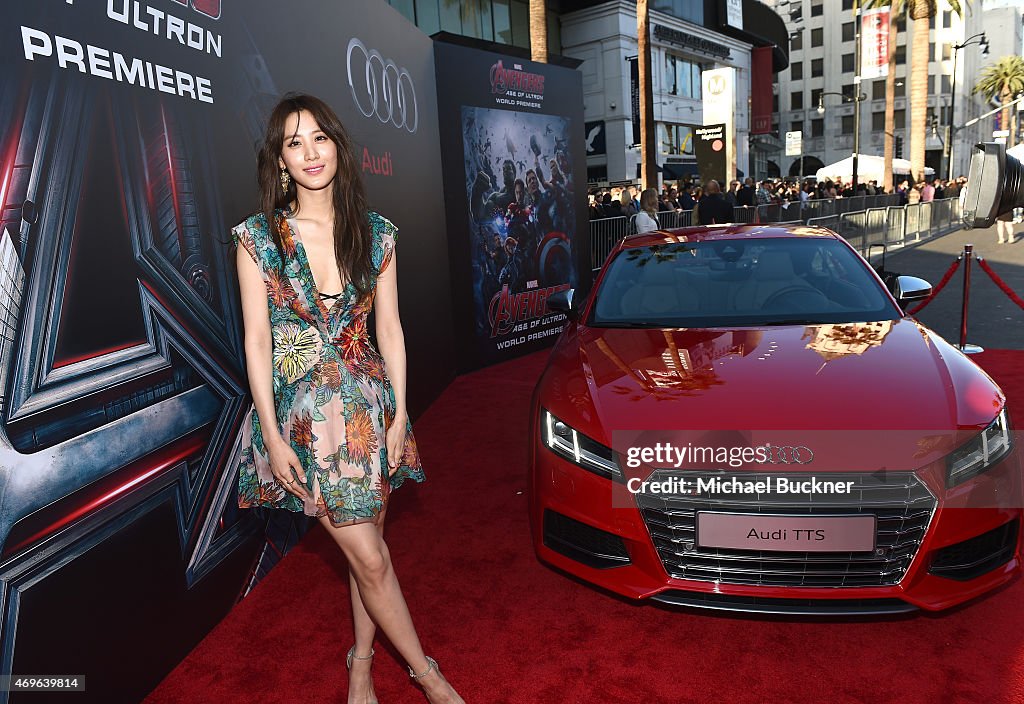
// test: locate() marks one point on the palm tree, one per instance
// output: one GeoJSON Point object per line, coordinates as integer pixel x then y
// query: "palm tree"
{"type": "Point", "coordinates": [889, 150]}
{"type": "Point", "coordinates": [538, 31]}
{"type": "Point", "coordinates": [648, 142]}
{"type": "Point", "coordinates": [921, 12]}
{"type": "Point", "coordinates": [1003, 79]}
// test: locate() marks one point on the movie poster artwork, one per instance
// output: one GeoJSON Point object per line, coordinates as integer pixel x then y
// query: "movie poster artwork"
{"type": "Point", "coordinates": [522, 218]}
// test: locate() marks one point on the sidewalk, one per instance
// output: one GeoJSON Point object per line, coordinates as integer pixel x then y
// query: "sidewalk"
{"type": "Point", "coordinates": [994, 321]}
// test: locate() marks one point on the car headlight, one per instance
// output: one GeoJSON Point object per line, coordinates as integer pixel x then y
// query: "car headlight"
{"type": "Point", "coordinates": [983, 451]}
{"type": "Point", "coordinates": [578, 448]}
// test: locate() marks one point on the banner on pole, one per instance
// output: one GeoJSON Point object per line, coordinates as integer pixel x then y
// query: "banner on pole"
{"type": "Point", "coordinates": [874, 43]}
{"type": "Point", "coordinates": [761, 90]}
{"type": "Point", "coordinates": [794, 143]}
{"type": "Point", "coordinates": [634, 97]}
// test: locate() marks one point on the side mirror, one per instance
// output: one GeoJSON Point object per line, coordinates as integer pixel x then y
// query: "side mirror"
{"type": "Point", "coordinates": [910, 288]}
{"type": "Point", "coordinates": [562, 301]}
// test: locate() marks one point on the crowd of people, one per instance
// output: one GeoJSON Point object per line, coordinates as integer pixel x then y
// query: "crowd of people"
{"type": "Point", "coordinates": [710, 205]}
{"type": "Point", "coordinates": [625, 201]}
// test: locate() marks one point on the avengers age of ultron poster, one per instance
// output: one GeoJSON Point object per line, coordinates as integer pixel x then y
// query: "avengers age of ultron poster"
{"type": "Point", "coordinates": [514, 169]}
{"type": "Point", "coordinates": [520, 187]}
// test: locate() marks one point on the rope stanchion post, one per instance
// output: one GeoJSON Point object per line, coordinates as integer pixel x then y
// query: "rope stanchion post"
{"type": "Point", "coordinates": [968, 255]}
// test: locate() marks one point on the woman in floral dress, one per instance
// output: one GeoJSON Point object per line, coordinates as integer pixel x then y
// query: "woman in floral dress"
{"type": "Point", "coordinates": [328, 433]}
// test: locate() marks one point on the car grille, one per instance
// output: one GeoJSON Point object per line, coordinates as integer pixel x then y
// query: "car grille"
{"type": "Point", "coordinates": [901, 503]}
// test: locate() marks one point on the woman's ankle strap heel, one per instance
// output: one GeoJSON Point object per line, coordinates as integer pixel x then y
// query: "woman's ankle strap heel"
{"type": "Point", "coordinates": [352, 656]}
{"type": "Point", "coordinates": [431, 665]}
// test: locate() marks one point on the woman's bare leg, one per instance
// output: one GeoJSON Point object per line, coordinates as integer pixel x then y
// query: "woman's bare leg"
{"type": "Point", "coordinates": [1004, 230]}
{"type": "Point", "coordinates": [360, 677]}
{"type": "Point", "coordinates": [381, 596]}
{"type": "Point", "coordinates": [365, 628]}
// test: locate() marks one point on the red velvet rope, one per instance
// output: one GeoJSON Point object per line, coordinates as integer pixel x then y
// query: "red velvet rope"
{"type": "Point", "coordinates": [935, 291]}
{"type": "Point", "coordinates": [1000, 283]}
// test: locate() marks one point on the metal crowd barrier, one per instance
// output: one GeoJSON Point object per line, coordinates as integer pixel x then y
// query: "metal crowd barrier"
{"type": "Point", "coordinates": [604, 235]}
{"type": "Point", "coordinates": [894, 226]}
{"type": "Point", "coordinates": [802, 212]}
{"type": "Point", "coordinates": [879, 220]}
{"type": "Point", "coordinates": [676, 218]}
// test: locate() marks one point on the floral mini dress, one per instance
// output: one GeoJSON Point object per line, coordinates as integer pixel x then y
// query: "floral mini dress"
{"type": "Point", "coordinates": [333, 398]}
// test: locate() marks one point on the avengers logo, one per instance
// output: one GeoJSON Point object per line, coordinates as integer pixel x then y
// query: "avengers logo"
{"type": "Point", "coordinates": [385, 90]}
{"type": "Point", "coordinates": [788, 454]}
{"type": "Point", "coordinates": [508, 308]}
{"type": "Point", "coordinates": [210, 8]}
{"type": "Point", "coordinates": [506, 79]}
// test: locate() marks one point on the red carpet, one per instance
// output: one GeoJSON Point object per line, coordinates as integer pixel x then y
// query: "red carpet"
{"type": "Point", "coordinates": [507, 629]}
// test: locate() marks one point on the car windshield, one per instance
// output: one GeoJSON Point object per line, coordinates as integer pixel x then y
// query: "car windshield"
{"type": "Point", "coordinates": [735, 283]}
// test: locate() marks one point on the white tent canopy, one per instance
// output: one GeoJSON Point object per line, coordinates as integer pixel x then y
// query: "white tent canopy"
{"type": "Point", "coordinates": [868, 168]}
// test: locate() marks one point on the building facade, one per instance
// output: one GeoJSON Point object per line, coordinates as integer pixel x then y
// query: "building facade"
{"type": "Point", "coordinates": [687, 37]}
{"type": "Point", "coordinates": [604, 37]}
{"type": "Point", "coordinates": [499, 21]}
{"type": "Point", "coordinates": [823, 54]}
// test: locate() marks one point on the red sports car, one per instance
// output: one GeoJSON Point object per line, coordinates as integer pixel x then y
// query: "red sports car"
{"type": "Point", "coordinates": [744, 418]}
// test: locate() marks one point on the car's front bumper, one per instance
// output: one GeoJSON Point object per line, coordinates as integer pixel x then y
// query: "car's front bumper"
{"type": "Point", "coordinates": [971, 544]}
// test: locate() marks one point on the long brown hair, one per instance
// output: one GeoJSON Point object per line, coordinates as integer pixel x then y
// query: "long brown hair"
{"type": "Point", "coordinates": [649, 201]}
{"type": "Point", "coordinates": [353, 240]}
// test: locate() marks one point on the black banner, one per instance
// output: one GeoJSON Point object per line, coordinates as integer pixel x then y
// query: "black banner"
{"type": "Point", "coordinates": [595, 137]}
{"type": "Point", "coordinates": [709, 145]}
{"type": "Point", "coordinates": [514, 170]}
{"type": "Point", "coordinates": [634, 97]}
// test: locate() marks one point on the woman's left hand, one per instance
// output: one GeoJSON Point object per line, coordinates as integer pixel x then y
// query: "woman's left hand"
{"type": "Point", "coordinates": [395, 439]}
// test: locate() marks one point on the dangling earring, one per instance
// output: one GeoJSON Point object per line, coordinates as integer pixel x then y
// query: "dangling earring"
{"type": "Point", "coordinates": [285, 180]}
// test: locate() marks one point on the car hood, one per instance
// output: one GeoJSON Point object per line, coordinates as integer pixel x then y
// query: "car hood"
{"type": "Point", "coordinates": [893, 375]}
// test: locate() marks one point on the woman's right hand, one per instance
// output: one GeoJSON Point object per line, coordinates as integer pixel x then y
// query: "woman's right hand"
{"type": "Point", "coordinates": [285, 466]}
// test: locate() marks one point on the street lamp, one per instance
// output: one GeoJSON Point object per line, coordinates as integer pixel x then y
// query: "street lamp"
{"type": "Point", "coordinates": [856, 125]}
{"type": "Point", "coordinates": [983, 43]}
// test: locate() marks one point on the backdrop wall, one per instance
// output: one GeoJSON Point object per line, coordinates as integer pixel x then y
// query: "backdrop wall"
{"type": "Point", "coordinates": [128, 150]}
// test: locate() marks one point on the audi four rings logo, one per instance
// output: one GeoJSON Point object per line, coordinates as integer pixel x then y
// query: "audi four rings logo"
{"type": "Point", "coordinates": [788, 454]}
{"type": "Point", "coordinates": [384, 89]}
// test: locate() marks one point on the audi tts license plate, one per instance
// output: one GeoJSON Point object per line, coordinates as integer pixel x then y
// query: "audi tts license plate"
{"type": "Point", "coordinates": [754, 531]}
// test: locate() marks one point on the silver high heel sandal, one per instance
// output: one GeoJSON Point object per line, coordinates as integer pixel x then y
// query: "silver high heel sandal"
{"type": "Point", "coordinates": [431, 665]}
{"type": "Point", "coordinates": [352, 656]}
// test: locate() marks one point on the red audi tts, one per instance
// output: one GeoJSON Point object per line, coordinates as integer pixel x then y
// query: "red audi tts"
{"type": "Point", "coordinates": [744, 418]}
